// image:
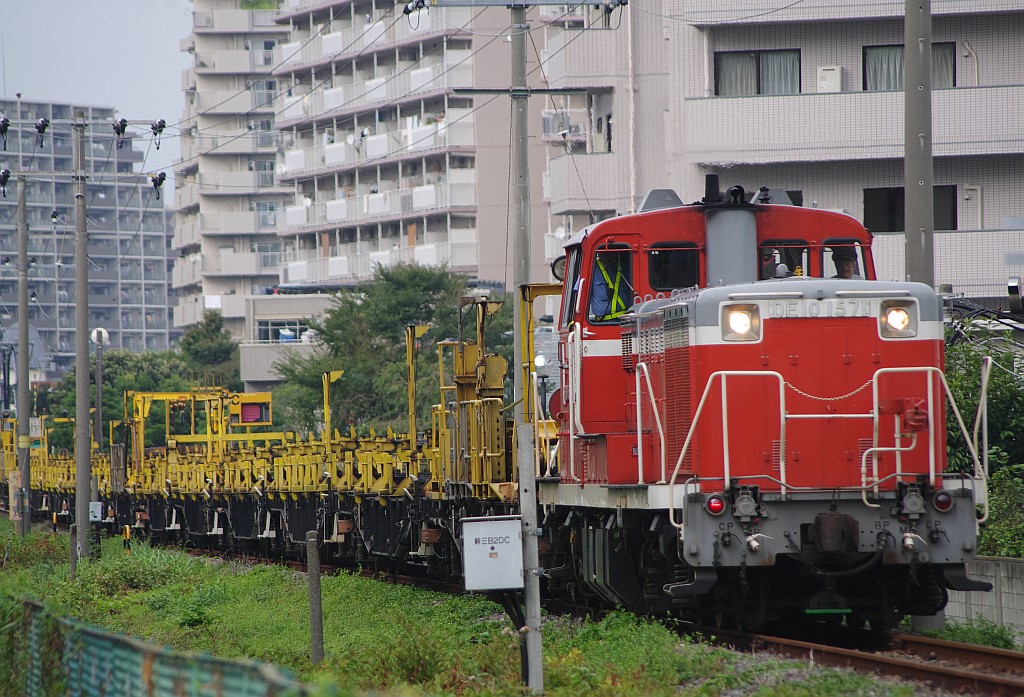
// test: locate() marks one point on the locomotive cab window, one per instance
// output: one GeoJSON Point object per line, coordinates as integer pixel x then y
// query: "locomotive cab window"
{"type": "Point", "coordinates": [843, 259]}
{"type": "Point", "coordinates": [572, 282]}
{"type": "Point", "coordinates": [783, 258]}
{"type": "Point", "coordinates": [672, 265]}
{"type": "Point", "coordinates": [611, 286]}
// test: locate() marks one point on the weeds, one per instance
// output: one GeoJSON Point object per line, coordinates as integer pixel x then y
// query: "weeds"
{"type": "Point", "coordinates": [980, 631]}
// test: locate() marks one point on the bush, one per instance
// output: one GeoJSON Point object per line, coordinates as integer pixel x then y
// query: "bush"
{"type": "Point", "coordinates": [979, 631]}
{"type": "Point", "coordinates": [1003, 535]}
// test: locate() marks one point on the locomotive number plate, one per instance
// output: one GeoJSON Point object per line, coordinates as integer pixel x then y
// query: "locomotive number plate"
{"type": "Point", "coordinates": [832, 307]}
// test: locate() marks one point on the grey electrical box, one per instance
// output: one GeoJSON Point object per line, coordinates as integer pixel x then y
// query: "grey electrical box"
{"type": "Point", "coordinates": [95, 511]}
{"type": "Point", "coordinates": [492, 552]}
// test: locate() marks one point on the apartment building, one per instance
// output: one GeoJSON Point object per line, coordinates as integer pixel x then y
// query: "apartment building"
{"type": "Point", "coordinates": [391, 158]}
{"type": "Point", "coordinates": [228, 199]}
{"type": "Point", "coordinates": [804, 97]}
{"type": "Point", "coordinates": [127, 225]}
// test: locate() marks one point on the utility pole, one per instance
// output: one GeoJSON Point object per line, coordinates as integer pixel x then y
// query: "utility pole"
{"type": "Point", "coordinates": [521, 256]}
{"type": "Point", "coordinates": [83, 441]}
{"type": "Point", "coordinates": [23, 412]}
{"type": "Point", "coordinates": [917, 137]}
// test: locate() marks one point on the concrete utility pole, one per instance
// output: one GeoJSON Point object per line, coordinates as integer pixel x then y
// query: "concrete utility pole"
{"type": "Point", "coordinates": [917, 137]}
{"type": "Point", "coordinates": [23, 412]}
{"type": "Point", "coordinates": [521, 256]}
{"type": "Point", "coordinates": [83, 440]}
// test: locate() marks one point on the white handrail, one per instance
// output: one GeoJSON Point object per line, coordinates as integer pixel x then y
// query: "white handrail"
{"type": "Point", "coordinates": [536, 429]}
{"type": "Point", "coordinates": [696, 419]}
{"type": "Point", "coordinates": [639, 430]}
{"type": "Point", "coordinates": [981, 421]}
{"type": "Point", "coordinates": [572, 396]}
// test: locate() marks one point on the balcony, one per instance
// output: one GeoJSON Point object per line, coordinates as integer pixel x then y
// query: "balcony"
{"type": "Point", "coordinates": [187, 271]}
{"type": "Point", "coordinates": [188, 312]}
{"type": "Point", "coordinates": [957, 261]}
{"type": "Point", "coordinates": [848, 126]}
{"type": "Point", "coordinates": [558, 125]}
{"type": "Point", "coordinates": [458, 253]}
{"type": "Point", "coordinates": [290, 7]}
{"type": "Point", "coordinates": [456, 131]}
{"type": "Point", "coordinates": [186, 196]}
{"type": "Point", "coordinates": [228, 62]}
{"type": "Point", "coordinates": [727, 11]}
{"type": "Point", "coordinates": [560, 14]}
{"type": "Point", "coordinates": [456, 71]}
{"type": "Point", "coordinates": [229, 306]}
{"type": "Point", "coordinates": [263, 141]}
{"type": "Point", "coordinates": [358, 40]}
{"type": "Point", "coordinates": [400, 203]}
{"type": "Point", "coordinates": [602, 173]}
{"type": "Point", "coordinates": [228, 102]}
{"type": "Point", "coordinates": [257, 360]}
{"type": "Point", "coordinates": [235, 264]}
{"type": "Point", "coordinates": [597, 60]}
{"type": "Point", "coordinates": [238, 223]}
{"type": "Point", "coordinates": [234, 21]}
{"type": "Point", "coordinates": [234, 183]}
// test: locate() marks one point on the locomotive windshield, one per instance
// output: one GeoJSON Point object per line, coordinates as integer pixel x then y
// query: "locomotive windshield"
{"type": "Point", "coordinates": [784, 258]}
{"type": "Point", "coordinates": [672, 265]}
{"type": "Point", "coordinates": [842, 258]}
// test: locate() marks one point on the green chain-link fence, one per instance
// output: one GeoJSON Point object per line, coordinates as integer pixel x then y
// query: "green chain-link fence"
{"type": "Point", "coordinates": [41, 655]}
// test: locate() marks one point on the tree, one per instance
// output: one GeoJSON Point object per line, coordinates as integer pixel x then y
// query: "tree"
{"type": "Point", "coordinates": [211, 352]}
{"type": "Point", "coordinates": [364, 335]}
{"type": "Point", "coordinates": [123, 370]}
{"type": "Point", "coordinates": [1005, 409]}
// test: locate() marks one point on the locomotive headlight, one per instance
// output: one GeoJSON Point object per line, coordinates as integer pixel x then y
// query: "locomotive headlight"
{"type": "Point", "coordinates": [898, 319]}
{"type": "Point", "coordinates": [741, 322]}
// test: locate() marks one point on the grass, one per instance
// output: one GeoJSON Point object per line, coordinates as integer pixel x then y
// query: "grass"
{"type": "Point", "coordinates": [385, 638]}
{"type": "Point", "coordinates": [980, 631]}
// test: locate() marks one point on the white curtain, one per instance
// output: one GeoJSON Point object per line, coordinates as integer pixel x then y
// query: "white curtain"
{"type": "Point", "coordinates": [737, 74]}
{"type": "Point", "coordinates": [780, 72]}
{"type": "Point", "coordinates": [943, 65]}
{"type": "Point", "coordinates": [883, 68]}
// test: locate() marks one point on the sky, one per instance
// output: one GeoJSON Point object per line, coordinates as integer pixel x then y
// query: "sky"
{"type": "Point", "coordinates": [123, 54]}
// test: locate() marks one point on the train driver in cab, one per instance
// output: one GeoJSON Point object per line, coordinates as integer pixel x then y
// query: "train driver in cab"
{"type": "Point", "coordinates": [612, 291]}
{"type": "Point", "coordinates": [845, 260]}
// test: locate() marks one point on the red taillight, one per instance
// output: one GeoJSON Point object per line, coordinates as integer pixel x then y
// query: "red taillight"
{"type": "Point", "coordinates": [943, 501]}
{"type": "Point", "coordinates": [715, 504]}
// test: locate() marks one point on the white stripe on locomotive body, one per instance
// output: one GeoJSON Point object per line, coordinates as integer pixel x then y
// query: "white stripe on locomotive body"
{"type": "Point", "coordinates": [712, 336]}
{"type": "Point", "coordinates": [601, 348]}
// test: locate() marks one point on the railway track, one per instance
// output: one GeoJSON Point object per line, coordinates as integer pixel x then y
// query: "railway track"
{"type": "Point", "coordinates": [943, 664]}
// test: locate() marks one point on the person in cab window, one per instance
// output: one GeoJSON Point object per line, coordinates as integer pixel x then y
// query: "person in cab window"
{"type": "Point", "coordinates": [611, 292]}
{"type": "Point", "coordinates": [845, 260]}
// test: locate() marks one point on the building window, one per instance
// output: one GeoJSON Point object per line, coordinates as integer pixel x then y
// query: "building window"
{"type": "Point", "coordinates": [757, 72]}
{"type": "Point", "coordinates": [883, 67]}
{"type": "Point", "coordinates": [281, 331]}
{"type": "Point", "coordinates": [884, 208]}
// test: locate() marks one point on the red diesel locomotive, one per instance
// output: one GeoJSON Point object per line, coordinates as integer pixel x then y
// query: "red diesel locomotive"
{"type": "Point", "coordinates": [751, 428]}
